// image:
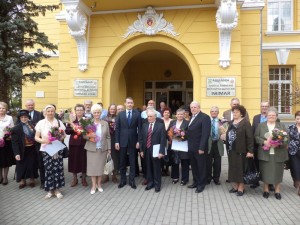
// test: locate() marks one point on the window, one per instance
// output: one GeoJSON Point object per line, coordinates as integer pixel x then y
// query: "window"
{"type": "Point", "coordinates": [280, 15]}
{"type": "Point", "coordinates": [280, 89]}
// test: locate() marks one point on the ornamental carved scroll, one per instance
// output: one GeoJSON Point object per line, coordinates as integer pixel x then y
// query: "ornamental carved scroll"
{"type": "Point", "coordinates": [226, 19]}
{"type": "Point", "coordinates": [150, 24]}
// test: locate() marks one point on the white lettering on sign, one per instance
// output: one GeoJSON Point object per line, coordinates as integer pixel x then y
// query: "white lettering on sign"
{"type": "Point", "coordinates": [220, 87]}
{"type": "Point", "coordinates": [87, 88]}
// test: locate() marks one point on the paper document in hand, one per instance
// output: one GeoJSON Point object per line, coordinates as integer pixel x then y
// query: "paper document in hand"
{"type": "Point", "coordinates": [179, 145]}
{"type": "Point", "coordinates": [155, 150]}
{"type": "Point", "coordinates": [54, 147]}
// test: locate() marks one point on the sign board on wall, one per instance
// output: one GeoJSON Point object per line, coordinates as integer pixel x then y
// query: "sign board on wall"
{"type": "Point", "coordinates": [220, 86]}
{"type": "Point", "coordinates": [86, 88]}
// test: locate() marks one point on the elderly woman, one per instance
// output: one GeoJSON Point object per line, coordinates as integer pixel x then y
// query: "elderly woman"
{"type": "Point", "coordinates": [23, 145]}
{"type": "Point", "coordinates": [294, 150]}
{"type": "Point", "coordinates": [271, 156]}
{"type": "Point", "coordinates": [111, 120]}
{"type": "Point", "coordinates": [183, 158]}
{"type": "Point", "coordinates": [98, 144]}
{"type": "Point", "coordinates": [77, 153]}
{"type": "Point", "coordinates": [54, 167]}
{"type": "Point", "coordinates": [239, 144]}
{"type": "Point", "coordinates": [6, 153]}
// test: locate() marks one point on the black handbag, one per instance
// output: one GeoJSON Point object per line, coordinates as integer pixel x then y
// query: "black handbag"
{"type": "Point", "coordinates": [251, 174]}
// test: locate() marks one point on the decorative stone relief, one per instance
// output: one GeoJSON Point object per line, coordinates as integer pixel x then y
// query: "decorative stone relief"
{"type": "Point", "coordinates": [226, 19]}
{"type": "Point", "coordinates": [77, 22]}
{"type": "Point", "coordinates": [282, 56]}
{"type": "Point", "coordinates": [150, 24]}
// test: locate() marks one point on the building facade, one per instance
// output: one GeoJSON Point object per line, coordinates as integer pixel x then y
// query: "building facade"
{"type": "Point", "coordinates": [209, 51]}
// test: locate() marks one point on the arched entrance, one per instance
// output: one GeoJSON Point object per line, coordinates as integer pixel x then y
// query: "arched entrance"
{"type": "Point", "coordinates": [162, 61]}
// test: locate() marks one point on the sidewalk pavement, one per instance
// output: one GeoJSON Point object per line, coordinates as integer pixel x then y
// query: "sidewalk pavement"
{"type": "Point", "coordinates": [173, 205]}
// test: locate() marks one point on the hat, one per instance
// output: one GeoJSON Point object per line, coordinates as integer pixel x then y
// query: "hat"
{"type": "Point", "coordinates": [23, 112]}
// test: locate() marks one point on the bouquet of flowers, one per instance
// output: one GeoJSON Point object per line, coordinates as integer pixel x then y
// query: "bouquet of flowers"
{"type": "Point", "coordinates": [89, 129]}
{"type": "Point", "coordinates": [78, 129]}
{"type": "Point", "coordinates": [275, 139]}
{"type": "Point", "coordinates": [5, 134]}
{"type": "Point", "coordinates": [55, 133]}
{"type": "Point", "coordinates": [177, 133]}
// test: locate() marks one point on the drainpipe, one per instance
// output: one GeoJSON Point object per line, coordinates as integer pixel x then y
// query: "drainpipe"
{"type": "Point", "coordinates": [261, 57]}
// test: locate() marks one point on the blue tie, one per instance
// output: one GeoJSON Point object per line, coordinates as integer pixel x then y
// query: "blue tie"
{"type": "Point", "coordinates": [129, 117]}
{"type": "Point", "coordinates": [213, 130]}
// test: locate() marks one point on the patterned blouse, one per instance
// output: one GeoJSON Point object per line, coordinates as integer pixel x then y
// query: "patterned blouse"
{"type": "Point", "coordinates": [294, 144]}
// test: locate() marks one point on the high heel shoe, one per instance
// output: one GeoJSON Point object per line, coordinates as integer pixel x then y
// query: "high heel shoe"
{"type": "Point", "coordinates": [74, 182]}
{"type": "Point", "coordinates": [278, 196]}
{"type": "Point", "coordinates": [266, 194]}
{"type": "Point", "coordinates": [240, 193]}
{"type": "Point", "coordinates": [93, 191]}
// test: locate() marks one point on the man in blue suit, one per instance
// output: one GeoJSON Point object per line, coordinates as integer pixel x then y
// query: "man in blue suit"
{"type": "Point", "coordinates": [128, 123]}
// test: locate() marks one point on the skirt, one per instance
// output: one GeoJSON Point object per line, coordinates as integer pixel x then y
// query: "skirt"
{"type": "Point", "coordinates": [54, 171]}
{"type": "Point", "coordinates": [95, 163]}
{"type": "Point", "coordinates": [7, 157]}
{"type": "Point", "coordinates": [271, 171]}
{"type": "Point", "coordinates": [295, 165]}
{"type": "Point", "coordinates": [27, 168]}
{"type": "Point", "coordinates": [77, 159]}
{"type": "Point", "coordinates": [236, 166]}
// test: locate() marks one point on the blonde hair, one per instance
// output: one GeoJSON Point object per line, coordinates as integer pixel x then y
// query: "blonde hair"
{"type": "Point", "coordinates": [4, 105]}
{"type": "Point", "coordinates": [96, 107]}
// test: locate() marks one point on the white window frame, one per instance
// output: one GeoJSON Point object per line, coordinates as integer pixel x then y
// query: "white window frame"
{"type": "Point", "coordinates": [280, 82]}
{"type": "Point", "coordinates": [270, 23]}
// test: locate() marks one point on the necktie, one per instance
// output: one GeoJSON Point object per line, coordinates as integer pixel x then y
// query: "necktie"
{"type": "Point", "coordinates": [213, 129]}
{"type": "Point", "coordinates": [193, 117]}
{"type": "Point", "coordinates": [148, 145]}
{"type": "Point", "coordinates": [129, 117]}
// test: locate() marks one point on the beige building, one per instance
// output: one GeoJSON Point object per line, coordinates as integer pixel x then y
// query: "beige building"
{"type": "Point", "coordinates": [209, 50]}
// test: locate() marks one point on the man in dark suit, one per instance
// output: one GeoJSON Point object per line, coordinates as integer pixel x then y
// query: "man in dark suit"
{"type": "Point", "coordinates": [128, 124]}
{"type": "Point", "coordinates": [153, 135]}
{"type": "Point", "coordinates": [35, 117]}
{"type": "Point", "coordinates": [227, 115]}
{"type": "Point", "coordinates": [198, 134]}
{"type": "Point", "coordinates": [257, 119]}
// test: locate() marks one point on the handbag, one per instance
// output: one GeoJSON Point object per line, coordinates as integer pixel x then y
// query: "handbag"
{"type": "Point", "coordinates": [109, 166]}
{"type": "Point", "coordinates": [251, 174]}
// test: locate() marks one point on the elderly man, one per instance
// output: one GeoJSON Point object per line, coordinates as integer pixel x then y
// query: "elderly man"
{"type": "Point", "coordinates": [150, 104]}
{"type": "Point", "coordinates": [227, 115]}
{"type": "Point", "coordinates": [152, 141]}
{"type": "Point", "coordinates": [198, 134]}
{"type": "Point", "coordinates": [88, 105]}
{"type": "Point", "coordinates": [120, 108]}
{"type": "Point", "coordinates": [215, 148]}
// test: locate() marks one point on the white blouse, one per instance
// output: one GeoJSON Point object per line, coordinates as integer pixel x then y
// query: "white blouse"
{"type": "Point", "coordinates": [7, 121]}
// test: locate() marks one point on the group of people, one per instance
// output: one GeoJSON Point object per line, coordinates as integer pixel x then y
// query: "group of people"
{"type": "Point", "coordinates": [192, 139]}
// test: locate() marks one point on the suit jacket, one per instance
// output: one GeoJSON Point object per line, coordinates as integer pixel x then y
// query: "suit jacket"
{"type": "Point", "coordinates": [158, 136]}
{"type": "Point", "coordinates": [105, 139]}
{"type": "Point", "coordinates": [184, 125]}
{"type": "Point", "coordinates": [199, 132]}
{"type": "Point", "coordinates": [18, 140]}
{"type": "Point", "coordinates": [281, 153]}
{"type": "Point", "coordinates": [220, 143]}
{"type": "Point", "coordinates": [244, 137]}
{"type": "Point", "coordinates": [127, 134]}
{"type": "Point", "coordinates": [227, 115]}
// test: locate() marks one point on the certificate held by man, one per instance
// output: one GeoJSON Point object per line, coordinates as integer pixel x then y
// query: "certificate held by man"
{"type": "Point", "coordinates": [179, 145]}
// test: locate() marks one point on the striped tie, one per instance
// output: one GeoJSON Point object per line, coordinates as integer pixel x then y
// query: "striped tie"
{"type": "Point", "coordinates": [149, 136]}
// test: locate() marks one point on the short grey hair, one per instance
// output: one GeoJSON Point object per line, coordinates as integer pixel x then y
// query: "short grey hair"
{"type": "Point", "coordinates": [214, 107]}
{"type": "Point", "coordinates": [272, 109]}
{"type": "Point", "coordinates": [96, 107]}
{"type": "Point", "coordinates": [151, 110]}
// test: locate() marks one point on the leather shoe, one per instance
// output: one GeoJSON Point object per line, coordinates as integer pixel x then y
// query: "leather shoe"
{"type": "Point", "coordinates": [74, 182]}
{"type": "Point", "coordinates": [278, 196]}
{"type": "Point", "coordinates": [42, 186]}
{"type": "Point", "coordinates": [183, 183]}
{"type": "Point", "coordinates": [122, 184]}
{"type": "Point", "coordinates": [175, 181]}
{"type": "Point", "coordinates": [240, 193]}
{"type": "Point", "coordinates": [132, 185]}
{"type": "Point", "coordinates": [266, 194]}
{"type": "Point", "coordinates": [157, 189]}
{"type": "Point", "coordinates": [208, 181]}
{"type": "Point", "coordinates": [21, 186]}
{"type": "Point", "coordinates": [192, 186]}
{"type": "Point", "coordinates": [145, 182]}
{"type": "Point", "coordinates": [199, 190]}
{"type": "Point", "coordinates": [84, 183]}
{"type": "Point", "coordinates": [233, 190]}
{"type": "Point", "coordinates": [217, 182]}
{"type": "Point", "coordinates": [31, 184]}
{"type": "Point", "coordinates": [148, 188]}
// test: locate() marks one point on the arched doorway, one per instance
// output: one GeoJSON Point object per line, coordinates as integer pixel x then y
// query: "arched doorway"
{"type": "Point", "coordinates": [162, 61]}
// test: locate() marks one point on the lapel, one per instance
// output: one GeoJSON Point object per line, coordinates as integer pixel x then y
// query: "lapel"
{"type": "Point", "coordinates": [195, 119]}
{"type": "Point", "coordinates": [155, 127]}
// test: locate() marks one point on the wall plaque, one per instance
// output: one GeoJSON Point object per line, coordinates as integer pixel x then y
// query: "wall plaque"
{"type": "Point", "coordinates": [86, 88]}
{"type": "Point", "coordinates": [220, 87]}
